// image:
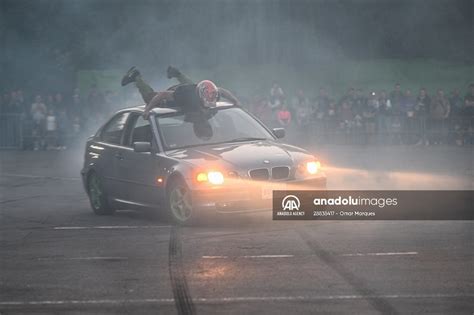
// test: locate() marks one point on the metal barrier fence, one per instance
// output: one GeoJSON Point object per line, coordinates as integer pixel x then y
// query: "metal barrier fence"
{"type": "Point", "coordinates": [11, 131]}
{"type": "Point", "coordinates": [386, 131]}
{"type": "Point", "coordinates": [16, 132]}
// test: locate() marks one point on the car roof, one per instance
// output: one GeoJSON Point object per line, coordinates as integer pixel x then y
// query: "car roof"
{"type": "Point", "coordinates": [169, 110]}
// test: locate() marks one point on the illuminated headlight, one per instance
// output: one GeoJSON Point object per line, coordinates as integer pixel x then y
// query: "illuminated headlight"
{"type": "Point", "coordinates": [313, 167]}
{"type": "Point", "coordinates": [309, 168]}
{"type": "Point", "coordinates": [213, 177]}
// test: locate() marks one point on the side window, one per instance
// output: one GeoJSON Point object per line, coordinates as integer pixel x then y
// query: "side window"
{"type": "Point", "coordinates": [112, 133]}
{"type": "Point", "coordinates": [141, 131]}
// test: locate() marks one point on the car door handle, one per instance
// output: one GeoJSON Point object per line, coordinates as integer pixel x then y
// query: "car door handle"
{"type": "Point", "coordinates": [118, 156]}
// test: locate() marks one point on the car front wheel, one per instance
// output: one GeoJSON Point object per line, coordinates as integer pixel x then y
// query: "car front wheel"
{"type": "Point", "coordinates": [179, 203]}
{"type": "Point", "coordinates": [97, 196]}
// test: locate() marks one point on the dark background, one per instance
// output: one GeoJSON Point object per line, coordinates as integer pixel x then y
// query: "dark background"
{"type": "Point", "coordinates": [57, 37]}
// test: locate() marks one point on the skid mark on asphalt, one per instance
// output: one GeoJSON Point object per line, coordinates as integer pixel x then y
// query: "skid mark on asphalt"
{"type": "Point", "coordinates": [22, 183]}
{"type": "Point", "coordinates": [16, 218]}
{"type": "Point", "coordinates": [378, 302]}
{"type": "Point", "coordinates": [41, 177]}
{"type": "Point", "coordinates": [110, 258]}
{"type": "Point", "coordinates": [20, 199]}
{"type": "Point", "coordinates": [182, 297]}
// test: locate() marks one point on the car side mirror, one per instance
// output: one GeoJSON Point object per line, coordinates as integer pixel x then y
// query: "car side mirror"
{"type": "Point", "coordinates": [279, 132]}
{"type": "Point", "coordinates": [142, 147]}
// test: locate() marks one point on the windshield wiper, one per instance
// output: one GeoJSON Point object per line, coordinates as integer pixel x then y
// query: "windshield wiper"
{"type": "Point", "coordinates": [220, 142]}
{"type": "Point", "coordinates": [189, 146]}
{"type": "Point", "coordinates": [246, 139]}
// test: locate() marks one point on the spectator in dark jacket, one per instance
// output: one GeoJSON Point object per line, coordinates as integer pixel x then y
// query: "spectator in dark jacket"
{"type": "Point", "coordinates": [439, 113]}
{"type": "Point", "coordinates": [457, 103]}
{"type": "Point", "coordinates": [469, 102]}
{"type": "Point", "coordinates": [422, 104]}
{"type": "Point", "coordinates": [369, 114]}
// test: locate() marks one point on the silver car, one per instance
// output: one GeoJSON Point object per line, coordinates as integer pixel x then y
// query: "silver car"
{"type": "Point", "coordinates": [187, 163]}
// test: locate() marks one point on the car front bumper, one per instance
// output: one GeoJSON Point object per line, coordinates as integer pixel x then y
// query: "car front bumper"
{"type": "Point", "coordinates": [247, 196]}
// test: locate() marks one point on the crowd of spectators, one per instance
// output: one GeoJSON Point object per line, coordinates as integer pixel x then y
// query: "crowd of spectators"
{"type": "Point", "coordinates": [54, 120]}
{"type": "Point", "coordinates": [376, 117]}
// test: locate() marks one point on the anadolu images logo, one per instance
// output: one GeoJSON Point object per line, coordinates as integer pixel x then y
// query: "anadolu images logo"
{"type": "Point", "coordinates": [290, 203]}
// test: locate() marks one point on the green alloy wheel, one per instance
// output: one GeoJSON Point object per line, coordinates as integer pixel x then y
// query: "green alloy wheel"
{"type": "Point", "coordinates": [97, 196]}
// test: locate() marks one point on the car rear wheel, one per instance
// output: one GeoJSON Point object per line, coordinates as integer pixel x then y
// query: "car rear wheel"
{"type": "Point", "coordinates": [179, 203]}
{"type": "Point", "coordinates": [97, 196]}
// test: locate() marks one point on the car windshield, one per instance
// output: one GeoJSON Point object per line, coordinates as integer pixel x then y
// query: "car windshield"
{"type": "Point", "coordinates": [181, 130]}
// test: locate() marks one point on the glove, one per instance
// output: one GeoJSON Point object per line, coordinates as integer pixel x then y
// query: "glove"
{"type": "Point", "coordinates": [172, 72]}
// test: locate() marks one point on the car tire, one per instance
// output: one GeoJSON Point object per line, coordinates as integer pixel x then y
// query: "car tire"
{"type": "Point", "coordinates": [97, 195]}
{"type": "Point", "coordinates": [179, 203]}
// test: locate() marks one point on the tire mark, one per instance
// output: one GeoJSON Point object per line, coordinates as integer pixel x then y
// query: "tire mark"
{"type": "Point", "coordinates": [182, 298]}
{"type": "Point", "coordinates": [20, 199]}
{"type": "Point", "coordinates": [378, 303]}
{"type": "Point", "coordinates": [45, 177]}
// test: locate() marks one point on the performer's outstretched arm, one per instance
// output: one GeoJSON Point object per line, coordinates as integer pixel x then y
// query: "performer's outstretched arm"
{"type": "Point", "coordinates": [228, 96]}
{"type": "Point", "coordinates": [157, 101]}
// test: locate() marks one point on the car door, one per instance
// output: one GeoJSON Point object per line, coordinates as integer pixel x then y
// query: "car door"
{"type": "Point", "coordinates": [110, 140]}
{"type": "Point", "coordinates": [139, 170]}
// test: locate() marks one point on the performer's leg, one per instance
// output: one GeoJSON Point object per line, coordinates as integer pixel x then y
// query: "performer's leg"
{"type": "Point", "coordinates": [133, 75]}
{"type": "Point", "coordinates": [146, 91]}
{"type": "Point", "coordinates": [173, 72]}
{"type": "Point", "coordinates": [183, 79]}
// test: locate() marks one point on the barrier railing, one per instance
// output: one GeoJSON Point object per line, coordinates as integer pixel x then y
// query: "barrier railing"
{"type": "Point", "coordinates": [386, 130]}
{"type": "Point", "coordinates": [11, 131]}
{"type": "Point", "coordinates": [16, 132]}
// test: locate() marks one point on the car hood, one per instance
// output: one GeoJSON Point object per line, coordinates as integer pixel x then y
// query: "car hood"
{"type": "Point", "coordinates": [242, 155]}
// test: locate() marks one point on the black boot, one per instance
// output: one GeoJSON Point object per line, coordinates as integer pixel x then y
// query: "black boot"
{"type": "Point", "coordinates": [130, 76]}
{"type": "Point", "coordinates": [172, 72]}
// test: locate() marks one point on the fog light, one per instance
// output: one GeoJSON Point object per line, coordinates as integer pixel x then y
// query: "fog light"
{"type": "Point", "coordinates": [201, 177]}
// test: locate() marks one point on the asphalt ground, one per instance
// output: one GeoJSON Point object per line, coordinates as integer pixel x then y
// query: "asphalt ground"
{"type": "Point", "coordinates": [58, 257]}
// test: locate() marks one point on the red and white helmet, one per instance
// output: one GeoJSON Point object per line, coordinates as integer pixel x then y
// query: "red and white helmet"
{"type": "Point", "coordinates": [208, 93]}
